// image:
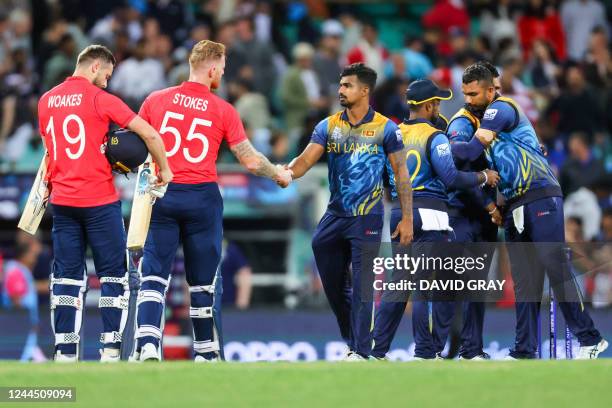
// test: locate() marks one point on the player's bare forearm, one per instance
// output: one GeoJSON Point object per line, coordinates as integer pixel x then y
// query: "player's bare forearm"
{"type": "Point", "coordinates": [255, 162]}
{"type": "Point", "coordinates": [244, 287]}
{"type": "Point", "coordinates": [308, 158]}
{"type": "Point", "coordinates": [8, 116]}
{"type": "Point", "coordinates": [403, 185]}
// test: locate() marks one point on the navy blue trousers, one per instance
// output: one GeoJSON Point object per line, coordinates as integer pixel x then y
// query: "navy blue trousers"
{"type": "Point", "coordinates": [543, 222]}
{"type": "Point", "coordinates": [337, 244]}
{"type": "Point", "coordinates": [465, 229]}
{"type": "Point", "coordinates": [191, 214]}
{"type": "Point", "coordinates": [102, 229]}
{"type": "Point", "coordinates": [389, 314]}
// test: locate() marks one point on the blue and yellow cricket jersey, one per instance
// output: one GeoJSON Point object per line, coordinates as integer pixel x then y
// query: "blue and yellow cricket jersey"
{"type": "Point", "coordinates": [356, 160]}
{"type": "Point", "coordinates": [461, 129]}
{"type": "Point", "coordinates": [524, 172]}
{"type": "Point", "coordinates": [429, 161]}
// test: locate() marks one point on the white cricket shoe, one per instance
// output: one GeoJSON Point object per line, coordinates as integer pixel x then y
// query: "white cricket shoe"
{"type": "Point", "coordinates": [201, 359]}
{"type": "Point", "coordinates": [65, 358]}
{"type": "Point", "coordinates": [478, 357]}
{"type": "Point", "coordinates": [352, 357]}
{"type": "Point", "coordinates": [149, 352]}
{"type": "Point", "coordinates": [591, 352]}
{"type": "Point", "coordinates": [135, 357]}
{"type": "Point", "coordinates": [109, 355]}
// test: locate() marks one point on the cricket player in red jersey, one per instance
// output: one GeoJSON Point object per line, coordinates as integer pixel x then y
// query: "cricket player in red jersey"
{"type": "Point", "coordinates": [192, 122]}
{"type": "Point", "coordinates": [74, 118]}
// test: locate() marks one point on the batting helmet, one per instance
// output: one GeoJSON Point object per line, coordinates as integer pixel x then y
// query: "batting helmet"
{"type": "Point", "coordinates": [125, 151]}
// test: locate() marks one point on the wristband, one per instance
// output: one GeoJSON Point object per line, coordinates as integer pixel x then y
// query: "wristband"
{"type": "Point", "coordinates": [485, 180]}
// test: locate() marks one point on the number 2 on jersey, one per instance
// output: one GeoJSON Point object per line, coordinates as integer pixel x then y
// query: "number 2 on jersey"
{"type": "Point", "coordinates": [191, 135]}
{"type": "Point", "coordinates": [79, 138]}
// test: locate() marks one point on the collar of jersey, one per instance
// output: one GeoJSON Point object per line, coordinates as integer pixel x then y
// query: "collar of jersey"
{"type": "Point", "coordinates": [418, 120]}
{"type": "Point", "coordinates": [76, 78]}
{"type": "Point", "coordinates": [367, 118]}
{"type": "Point", "coordinates": [195, 86]}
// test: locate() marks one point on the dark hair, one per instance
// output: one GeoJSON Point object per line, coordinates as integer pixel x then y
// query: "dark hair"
{"type": "Point", "coordinates": [577, 220]}
{"type": "Point", "coordinates": [246, 84]}
{"type": "Point", "coordinates": [370, 24]}
{"type": "Point", "coordinates": [276, 137]}
{"type": "Point", "coordinates": [412, 107]}
{"type": "Point", "coordinates": [582, 136]}
{"type": "Point", "coordinates": [64, 40]}
{"type": "Point", "coordinates": [94, 52]}
{"type": "Point", "coordinates": [477, 72]}
{"type": "Point", "coordinates": [490, 67]}
{"type": "Point", "coordinates": [365, 75]}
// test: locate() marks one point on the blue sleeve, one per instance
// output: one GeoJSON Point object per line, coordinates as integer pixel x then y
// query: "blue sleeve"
{"type": "Point", "coordinates": [460, 130]}
{"type": "Point", "coordinates": [392, 139]}
{"type": "Point", "coordinates": [444, 166]}
{"type": "Point", "coordinates": [479, 197]}
{"type": "Point", "coordinates": [467, 152]}
{"type": "Point", "coordinates": [499, 116]}
{"type": "Point", "coordinates": [319, 134]}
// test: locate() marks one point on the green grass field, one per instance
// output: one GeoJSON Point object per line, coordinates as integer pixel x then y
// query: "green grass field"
{"type": "Point", "coordinates": [374, 384]}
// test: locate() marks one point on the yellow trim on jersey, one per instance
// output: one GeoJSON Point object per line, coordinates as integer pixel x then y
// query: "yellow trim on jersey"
{"type": "Point", "coordinates": [468, 115]}
{"type": "Point", "coordinates": [378, 121]}
{"type": "Point", "coordinates": [443, 118]}
{"type": "Point", "coordinates": [510, 101]}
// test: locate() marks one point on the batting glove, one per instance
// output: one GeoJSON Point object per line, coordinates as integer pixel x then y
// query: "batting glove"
{"type": "Point", "coordinates": [156, 191]}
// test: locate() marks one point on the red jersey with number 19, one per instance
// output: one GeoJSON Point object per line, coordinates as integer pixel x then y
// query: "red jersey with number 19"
{"type": "Point", "coordinates": [73, 119]}
{"type": "Point", "coordinates": [193, 122]}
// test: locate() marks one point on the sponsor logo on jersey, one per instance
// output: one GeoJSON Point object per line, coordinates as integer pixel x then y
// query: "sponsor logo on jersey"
{"type": "Point", "coordinates": [443, 149]}
{"type": "Point", "coordinates": [490, 114]}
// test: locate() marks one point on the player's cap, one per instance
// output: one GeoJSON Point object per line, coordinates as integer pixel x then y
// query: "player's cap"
{"type": "Point", "coordinates": [424, 90]}
{"type": "Point", "coordinates": [303, 50]}
{"type": "Point", "coordinates": [332, 28]}
{"type": "Point", "coordinates": [125, 150]}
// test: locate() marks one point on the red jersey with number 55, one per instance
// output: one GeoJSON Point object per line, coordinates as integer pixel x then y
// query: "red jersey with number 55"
{"type": "Point", "coordinates": [73, 119]}
{"type": "Point", "coordinates": [193, 122]}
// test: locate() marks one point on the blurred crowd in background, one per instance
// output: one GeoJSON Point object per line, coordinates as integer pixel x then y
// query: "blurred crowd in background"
{"type": "Point", "coordinates": [284, 60]}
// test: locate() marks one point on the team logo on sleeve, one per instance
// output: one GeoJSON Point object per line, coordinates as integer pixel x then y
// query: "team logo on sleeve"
{"type": "Point", "coordinates": [398, 135]}
{"type": "Point", "coordinates": [443, 149]}
{"type": "Point", "coordinates": [490, 114]}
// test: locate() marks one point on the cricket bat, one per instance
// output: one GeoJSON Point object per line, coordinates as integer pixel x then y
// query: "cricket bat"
{"type": "Point", "coordinates": [142, 205]}
{"type": "Point", "coordinates": [37, 201]}
{"type": "Point", "coordinates": [140, 218]}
